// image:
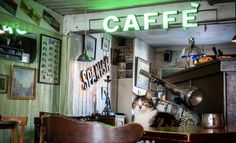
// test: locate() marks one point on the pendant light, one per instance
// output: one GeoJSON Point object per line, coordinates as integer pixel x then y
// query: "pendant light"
{"type": "Point", "coordinates": [234, 38]}
{"type": "Point", "coordinates": [85, 57]}
{"type": "Point", "coordinates": [192, 51]}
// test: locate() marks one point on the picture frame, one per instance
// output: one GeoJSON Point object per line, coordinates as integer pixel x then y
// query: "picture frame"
{"type": "Point", "coordinates": [140, 80]}
{"type": "Point", "coordinates": [49, 61]}
{"type": "Point", "coordinates": [23, 82]}
{"type": "Point", "coordinates": [105, 44]}
{"type": "Point", "coordinates": [104, 91]}
{"type": "Point", "coordinates": [90, 45]}
{"type": "Point", "coordinates": [3, 83]}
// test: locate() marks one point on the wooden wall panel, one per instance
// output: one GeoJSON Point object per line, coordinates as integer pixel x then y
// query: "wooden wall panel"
{"type": "Point", "coordinates": [85, 102]}
{"type": "Point", "coordinates": [46, 95]}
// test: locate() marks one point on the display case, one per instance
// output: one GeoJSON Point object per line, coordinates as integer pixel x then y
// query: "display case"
{"type": "Point", "coordinates": [21, 47]}
{"type": "Point", "coordinates": [217, 80]}
{"type": "Point", "coordinates": [11, 53]}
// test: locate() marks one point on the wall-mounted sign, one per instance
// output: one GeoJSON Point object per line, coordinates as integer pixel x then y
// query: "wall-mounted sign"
{"type": "Point", "coordinates": [113, 23]}
{"type": "Point", "coordinates": [92, 74]}
{"type": "Point", "coordinates": [12, 30]}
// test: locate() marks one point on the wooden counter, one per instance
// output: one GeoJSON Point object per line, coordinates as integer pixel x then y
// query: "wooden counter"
{"type": "Point", "coordinates": [217, 80]}
{"type": "Point", "coordinates": [189, 134]}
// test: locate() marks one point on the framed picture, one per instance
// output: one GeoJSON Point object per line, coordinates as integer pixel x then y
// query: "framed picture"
{"type": "Point", "coordinates": [49, 62]}
{"type": "Point", "coordinates": [23, 83]}
{"type": "Point", "coordinates": [105, 44]}
{"type": "Point", "coordinates": [3, 83]}
{"type": "Point", "coordinates": [140, 80]}
{"type": "Point", "coordinates": [104, 92]}
{"type": "Point", "coordinates": [90, 45]}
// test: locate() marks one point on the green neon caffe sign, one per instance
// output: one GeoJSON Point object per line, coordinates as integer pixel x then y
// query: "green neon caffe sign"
{"type": "Point", "coordinates": [132, 23]}
{"type": "Point", "coordinates": [10, 30]}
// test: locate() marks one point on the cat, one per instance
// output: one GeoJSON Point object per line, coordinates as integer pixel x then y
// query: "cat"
{"type": "Point", "coordinates": [146, 114]}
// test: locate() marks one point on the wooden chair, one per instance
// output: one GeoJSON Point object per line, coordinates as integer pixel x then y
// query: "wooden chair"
{"type": "Point", "coordinates": [22, 121]}
{"type": "Point", "coordinates": [62, 129]}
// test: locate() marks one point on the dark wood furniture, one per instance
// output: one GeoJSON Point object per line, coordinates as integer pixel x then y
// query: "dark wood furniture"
{"type": "Point", "coordinates": [114, 120]}
{"type": "Point", "coordinates": [217, 80]}
{"type": "Point", "coordinates": [62, 129]}
{"type": "Point", "coordinates": [10, 125]}
{"type": "Point", "coordinates": [189, 134]}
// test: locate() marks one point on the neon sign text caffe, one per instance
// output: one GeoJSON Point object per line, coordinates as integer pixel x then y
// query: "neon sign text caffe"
{"type": "Point", "coordinates": [114, 24]}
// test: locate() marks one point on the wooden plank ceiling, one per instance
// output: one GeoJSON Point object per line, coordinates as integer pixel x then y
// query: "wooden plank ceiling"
{"type": "Point", "coordinates": [67, 7]}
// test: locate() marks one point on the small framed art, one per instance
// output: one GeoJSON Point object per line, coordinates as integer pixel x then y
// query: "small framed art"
{"type": "Point", "coordinates": [23, 83]}
{"type": "Point", "coordinates": [3, 83]}
{"type": "Point", "coordinates": [105, 44]}
{"type": "Point", "coordinates": [90, 45]}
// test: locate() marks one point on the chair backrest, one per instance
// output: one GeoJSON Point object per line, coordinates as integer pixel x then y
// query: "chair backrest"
{"type": "Point", "coordinates": [61, 129]}
{"type": "Point", "coordinates": [22, 121]}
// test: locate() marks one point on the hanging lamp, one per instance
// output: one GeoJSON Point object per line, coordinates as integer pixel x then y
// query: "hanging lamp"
{"type": "Point", "coordinates": [192, 51]}
{"type": "Point", "coordinates": [85, 57]}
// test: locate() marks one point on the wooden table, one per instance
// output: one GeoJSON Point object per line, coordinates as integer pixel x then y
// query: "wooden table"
{"type": "Point", "coordinates": [10, 125]}
{"type": "Point", "coordinates": [189, 134]}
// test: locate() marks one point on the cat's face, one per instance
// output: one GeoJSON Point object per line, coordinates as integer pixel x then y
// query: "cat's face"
{"type": "Point", "coordinates": [142, 103]}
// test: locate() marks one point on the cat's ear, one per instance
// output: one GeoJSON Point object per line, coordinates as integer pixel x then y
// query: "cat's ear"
{"type": "Point", "coordinates": [149, 94]}
{"type": "Point", "coordinates": [134, 95]}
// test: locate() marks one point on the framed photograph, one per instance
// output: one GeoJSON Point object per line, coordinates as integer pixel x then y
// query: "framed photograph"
{"type": "Point", "coordinates": [3, 83]}
{"type": "Point", "coordinates": [90, 45]}
{"type": "Point", "coordinates": [49, 61]}
{"type": "Point", "coordinates": [105, 44]}
{"type": "Point", "coordinates": [104, 92]}
{"type": "Point", "coordinates": [23, 83]}
{"type": "Point", "coordinates": [140, 80]}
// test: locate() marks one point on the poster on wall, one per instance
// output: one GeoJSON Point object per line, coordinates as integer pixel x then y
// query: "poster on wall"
{"type": "Point", "coordinates": [51, 20]}
{"type": "Point", "coordinates": [49, 66]}
{"type": "Point", "coordinates": [9, 5]}
{"type": "Point", "coordinates": [30, 11]}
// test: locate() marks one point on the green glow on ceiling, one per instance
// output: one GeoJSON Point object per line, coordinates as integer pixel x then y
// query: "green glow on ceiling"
{"type": "Point", "coordinates": [7, 29]}
{"type": "Point", "coordinates": [21, 31]}
{"type": "Point", "coordinates": [10, 30]}
{"type": "Point", "coordinates": [116, 4]}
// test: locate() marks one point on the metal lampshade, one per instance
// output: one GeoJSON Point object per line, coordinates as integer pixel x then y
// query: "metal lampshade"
{"type": "Point", "coordinates": [192, 51]}
{"type": "Point", "coordinates": [84, 57]}
{"type": "Point", "coordinates": [234, 39]}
